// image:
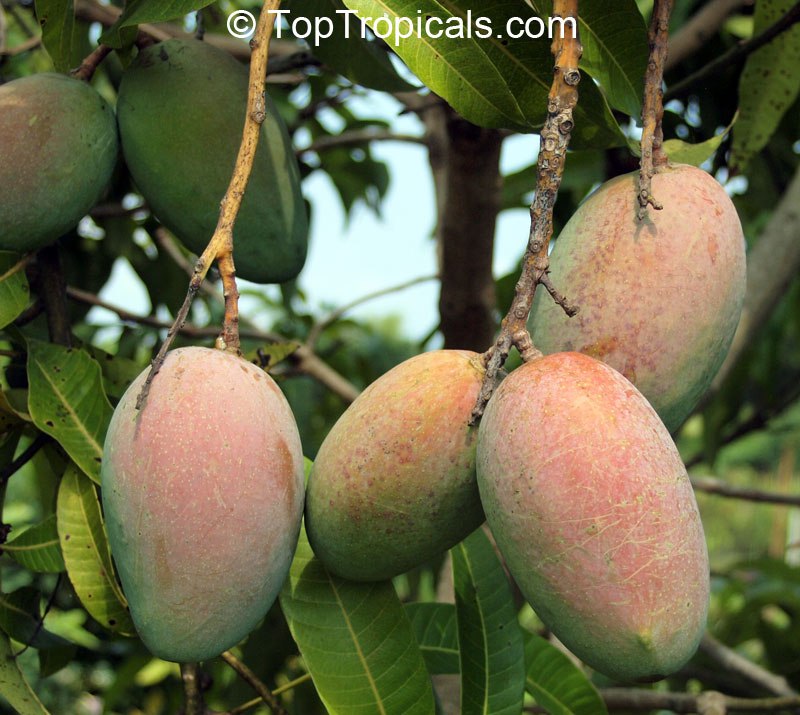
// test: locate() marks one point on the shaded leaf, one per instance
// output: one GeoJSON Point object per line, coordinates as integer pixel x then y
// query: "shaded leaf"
{"type": "Point", "coordinates": [358, 59]}
{"type": "Point", "coordinates": [57, 19]}
{"type": "Point", "coordinates": [37, 547]}
{"type": "Point", "coordinates": [66, 400]}
{"type": "Point", "coordinates": [14, 290]}
{"type": "Point", "coordinates": [52, 660]}
{"type": "Point", "coordinates": [615, 52]}
{"type": "Point", "coordinates": [557, 684]}
{"type": "Point", "coordinates": [434, 626]}
{"type": "Point", "coordinates": [118, 372]}
{"type": "Point", "coordinates": [13, 686]}
{"type": "Point", "coordinates": [489, 637]}
{"type": "Point", "coordinates": [21, 619]}
{"type": "Point", "coordinates": [139, 11]}
{"type": "Point", "coordinates": [268, 356]}
{"type": "Point", "coordinates": [493, 81]}
{"type": "Point", "coordinates": [768, 86]}
{"type": "Point", "coordinates": [86, 552]}
{"type": "Point", "coordinates": [356, 641]}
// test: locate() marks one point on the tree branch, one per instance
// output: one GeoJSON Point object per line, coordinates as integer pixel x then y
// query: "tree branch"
{"type": "Point", "coordinates": [27, 455]}
{"type": "Point", "coordinates": [555, 138]}
{"type": "Point", "coordinates": [711, 485]}
{"type": "Point", "coordinates": [192, 696]}
{"type": "Point", "coordinates": [734, 54]}
{"type": "Point", "coordinates": [358, 137]}
{"type": "Point", "coordinates": [30, 44]}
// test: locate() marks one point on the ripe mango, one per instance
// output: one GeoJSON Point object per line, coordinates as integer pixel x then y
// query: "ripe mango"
{"type": "Point", "coordinates": [393, 484]}
{"type": "Point", "coordinates": [659, 299]}
{"type": "Point", "coordinates": [203, 497]}
{"type": "Point", "coordinates": [58, 147]}
{"type": "Point", "coordinates": [591, 506]}
{"type": "Point", "coordinates": [181, 111]}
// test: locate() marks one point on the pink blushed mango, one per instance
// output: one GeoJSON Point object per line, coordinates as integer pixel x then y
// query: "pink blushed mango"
{"type": "Point", "coordinates": [659, 299]}
{"type": "Point", "coordinates": [591, 506]}
{"type": "Point", "coordinates": [394, 483]}
{"type": "Point", "coordinates": [203, 497]}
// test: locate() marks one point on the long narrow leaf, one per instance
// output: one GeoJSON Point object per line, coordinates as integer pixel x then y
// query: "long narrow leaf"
{"type": "Point", "coordinates": [434, 626]}
{"type": "Point", "coordinates": [13, 686]}
{"type": "Point", "coordinates": [14, 289]}
{"type": "Point", "coordinates": [37, 548]}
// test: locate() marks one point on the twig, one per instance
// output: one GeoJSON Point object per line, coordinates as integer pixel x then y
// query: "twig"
{"type": "Point", "coordinates": [358, 137]}
{"type": "Point", "coordinates": [193, 698]}
{"type": "Point", "coordinates": [306, 360]}
{"type": "Point", "coordinates": [653, 155]}
{"type": "Point", "coordinates": [710, 485]}
{"type": "Point", "coordinates": [637, 699]}
{"type": "Point", "coordinates": [253, 681]}
{"type": "Point", "coordinates": [320, 325]}
{"type": "Point", "coordinates": [244, 707]}
{"type": "Point", "coordinates": [220, 247]}
{"type": "Point", "coordinates": [27, 455]}
{"type": "Point", "coordinates": [29, 44]}
{"type": "Point", "coordinates": [555, 138]}
{"type": "Point", "coordinates": [730, 660]}
{"type": "Point", "coordinates": [18, 266]}
{"type": "Point", "coordinates": [86, 69]}
{"type": "Point", "coordinates": [295, 61]}
{"type": "Point", "coordinates": [734, 54]}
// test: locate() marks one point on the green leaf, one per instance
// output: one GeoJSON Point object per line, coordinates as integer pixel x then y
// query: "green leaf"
{"type": "Point", "coordinates": [268, 356]}
{"type": "Point", "coordinates": [493, 81]}
{"type": "Point", "coordinates": [13, 686]}
{"type": "Point", "coordinates": [434, 626]}
{"type": "Point", "coordinates": [556, 683]}
{"type": "Point", "coordinates": [86, 552]}
{"type": "Point", "coordinates": [615, 51]}
{"type": "Point", "coordinates": [139, 11]}
{"type": "Point", "coordinates": [21, 619]}
{"type": "Point", "coordinates": [680, 152]}
{"type": "Point", "coordinates": [66, 400]}
{"type": "Point", "coordinates": [118, 372]}
{"type": "Point", "coordinates": [356, 641]}
{"type": "Point", "coordinates": [346, 51]}
{"type": "Point", "coordinates": [57, 18]}
{"type": "Point", "coordinates": [768, 86]}
{"type": "Point", "coordinates": [14, 290]}
{"type": "Point", "coordinates": [489, 637]}
{"type": "Point", "coordinates": [37, 547]}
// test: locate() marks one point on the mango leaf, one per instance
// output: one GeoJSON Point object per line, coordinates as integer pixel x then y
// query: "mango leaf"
{"type": "Point", "coordinates": [139, 11]}
{"type": "Point", "coordinates": [86, 552]}
{"type": "Point", "coordinates": [489, 637]}
{"type": "Point", "coordinates": [66, 401]}
{"type": "Point", "coordinates": [21, 619]}
{"type": "Point", "coordinates": [345, 50]}
{"type": "Point", "coordinates": [57, 19]}
{"type": "Point", "coordinates": [13, 686]}
{"type": "Point", "coordinates": [118, 372]}
{"type": "Point", "coordinates": [487, 76]}
{"type": "Point", "coordinates": [434, 626]}
{"type": "Point", "coordinates": [356, 641]}
{"type": "Point", "coordinates": [615, 52]}
{"type": "Point", "coordinates": [37, 547]}
{"type": "Point", "coordinates": [556, 683]}
{"type": "Point", "coordinates": [768, 86]}
{"type": "Point", "coordinates": [681, 152]}
{"type": "Point", "coordinates": [268, 356]}
{"type": "Point", "coordinates": [14, 290]}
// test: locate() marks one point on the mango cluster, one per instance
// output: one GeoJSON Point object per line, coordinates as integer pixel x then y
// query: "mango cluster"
{"type": "Point", "coordinates": [180, 112]}
{"type": "Point", "coordinates": [572, 464]}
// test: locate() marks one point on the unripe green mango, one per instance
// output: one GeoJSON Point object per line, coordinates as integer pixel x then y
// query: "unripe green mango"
{"type": "Point", "coordinates": [203, 497]}
{"type": "Point", "coordinates": [181, 111]}
{"type": "Point", "coordinates": [393, 484]}
{"type": "Point", "coordinates": [659, 299]}
{"type": "Point", "coordinates": [593, 511]}
{"type": "Point", "coordinates": [58, 147]}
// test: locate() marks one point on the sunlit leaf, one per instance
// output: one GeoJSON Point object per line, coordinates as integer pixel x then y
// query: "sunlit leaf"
{"type": "Point", "coordinates": [489, 637]}
{"type": "Point", "coordinates": [86, 552]}
{"type": "Point", "coordinates": [13, 686]}
{"type": "Point", "coordinates": [680, 152]}
{"type": "Point", "coordinates": [66, 400]}
{"type": "Point", "coordinates": [37, 547]}
{"type": "Point", "coordinates": [356, 641]}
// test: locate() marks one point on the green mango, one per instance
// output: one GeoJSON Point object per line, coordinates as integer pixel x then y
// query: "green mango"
{"type": "Point", "coordinates": [181, 110]}
{"type": "Point", "coordinates": [58, 147]}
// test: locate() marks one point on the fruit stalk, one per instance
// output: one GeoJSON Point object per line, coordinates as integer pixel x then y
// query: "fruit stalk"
{"type": "Point", "coordinates": [555, 138]}
{"type": "Point", "coordinates": [220, 247]}
{"type": "Point", "coordinates": [652, 139]}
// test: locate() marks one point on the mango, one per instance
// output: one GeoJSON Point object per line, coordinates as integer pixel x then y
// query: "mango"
{"type": "Point", "coordinates": [203, 497]}
{"type": "Point", "coordinates": [393, 484]}
{"type": "Point", "coordinates": [181, 112]}
{"type": "Point", "coordinates": [58, 147]}
{"type": "Point", "coordinates": [659, 299]}
{"type": "Point", "coordinates": [592, 509]}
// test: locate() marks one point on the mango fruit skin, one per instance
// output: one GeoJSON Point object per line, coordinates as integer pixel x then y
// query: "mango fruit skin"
{"type": "Point", "coordinates": [181, 111]}
{"type": "Point", "coordinates": [591, 506]}
{"type": "Point", "coordinates": [58, 147]}
{"type": "Point", "coordinates": [660, 299]}
{"type": "Point", "coordinates": [393, 484]}
{"type": "Point", "coordinates": [203, 497]}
